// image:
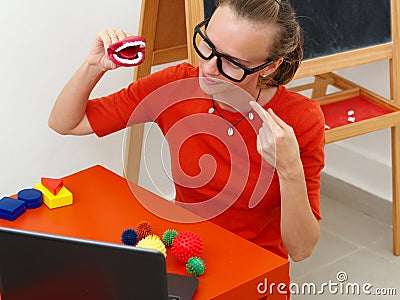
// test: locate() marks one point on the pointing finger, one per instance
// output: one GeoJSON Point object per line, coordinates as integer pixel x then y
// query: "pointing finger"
{"type": "Point", "coordinates": [259, 110]}
{"type": "Point", "coordinates": [276, 119]}
{"type": "Point", "coordinates": [264, 115]}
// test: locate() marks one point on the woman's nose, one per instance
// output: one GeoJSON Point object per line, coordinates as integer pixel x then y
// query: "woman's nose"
{"type": "Point", "coordinates": [210, 67]}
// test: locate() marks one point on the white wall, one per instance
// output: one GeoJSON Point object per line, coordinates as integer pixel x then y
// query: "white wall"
{"type": "Point", "coordinates": [43, 42]}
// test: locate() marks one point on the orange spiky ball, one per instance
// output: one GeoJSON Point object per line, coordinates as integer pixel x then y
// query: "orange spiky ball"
{"type": "Point", "coordinates": [143, 229]}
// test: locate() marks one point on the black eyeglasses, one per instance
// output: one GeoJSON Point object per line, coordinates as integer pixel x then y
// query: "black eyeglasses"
{"type": "Point", "coordinates": [228, 67]}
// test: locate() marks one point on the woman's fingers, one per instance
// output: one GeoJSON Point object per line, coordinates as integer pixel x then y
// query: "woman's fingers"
{"type": "Point", "coordinates": [110, 36]}
{"type": "Point", "coordinates": [260, 111]}
{"type": "Point", "coordinates": [266, 147]}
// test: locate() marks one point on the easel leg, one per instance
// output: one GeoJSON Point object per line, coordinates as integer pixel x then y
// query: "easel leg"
{"type": "Point", "coordinates": [133, 152]}
{"type": "Point", "coordinates": [394, 65]}
{"type": "Point", "coordinates": [318, 90]}
{"type": "Point", "coordinates": [396, 189]}
{"type": "Point", "coordinates": [133, 147]}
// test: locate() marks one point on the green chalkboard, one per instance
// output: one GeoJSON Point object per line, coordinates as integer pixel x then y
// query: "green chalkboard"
{"type": "Point", "coordinates": [334, 26]}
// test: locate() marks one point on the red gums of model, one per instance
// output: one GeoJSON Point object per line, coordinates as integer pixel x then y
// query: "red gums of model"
{"type": "Point", "coordinates": [128, 52]}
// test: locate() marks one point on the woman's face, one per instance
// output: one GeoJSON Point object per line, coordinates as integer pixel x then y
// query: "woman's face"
{"type": "Point", "coordinates": [240, 40]}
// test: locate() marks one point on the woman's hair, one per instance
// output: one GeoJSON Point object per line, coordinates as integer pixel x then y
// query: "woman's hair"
{"type": "Point", "coordinates": [288, 40]}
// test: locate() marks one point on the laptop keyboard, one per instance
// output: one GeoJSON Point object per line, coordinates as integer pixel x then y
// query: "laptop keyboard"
{"type": "Point", "coordinates": [173, 297]}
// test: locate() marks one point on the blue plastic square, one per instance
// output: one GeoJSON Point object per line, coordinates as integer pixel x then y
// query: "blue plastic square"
{"type": "Point", "coordinates": [10, 208]}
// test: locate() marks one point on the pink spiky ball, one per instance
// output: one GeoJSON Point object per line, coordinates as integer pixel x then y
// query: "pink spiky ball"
{"type": "Point", "coordinates": [185, 245]}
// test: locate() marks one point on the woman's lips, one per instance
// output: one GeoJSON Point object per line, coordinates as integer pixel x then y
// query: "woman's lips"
{"type": "Point", "coordinates": [210, 81]}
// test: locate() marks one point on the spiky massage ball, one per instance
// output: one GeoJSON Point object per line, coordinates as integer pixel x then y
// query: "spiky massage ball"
{"type": "Point", "coordinates": [129, 237]}
{"type": "Point", "coordinates": [185, 245]}
{"type": "Point", "coordinates": [168, 236]}
{"type": "Point", "coordinates": [195, 266]}
{"type": "Point", "coordinates": [152, 242]}
{"type": "Point", "coordinates": [143, 229]}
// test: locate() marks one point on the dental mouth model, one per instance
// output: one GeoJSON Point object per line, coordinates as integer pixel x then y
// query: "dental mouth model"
{"type": "Point", "coordinates": [129, 52]}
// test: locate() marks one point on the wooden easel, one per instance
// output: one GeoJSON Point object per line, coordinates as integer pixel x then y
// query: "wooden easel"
{"type": "Point", "coordinates": [321, 69]}
{"type": "Point", "coordinates": [167, 27]}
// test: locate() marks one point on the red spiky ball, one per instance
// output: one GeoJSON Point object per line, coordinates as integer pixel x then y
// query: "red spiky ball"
{"type": "Point", "coordinates": [186, 245]}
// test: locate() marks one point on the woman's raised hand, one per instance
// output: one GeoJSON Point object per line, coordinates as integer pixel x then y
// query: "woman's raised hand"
{"type": "Point", "coordinates": [98, 55]}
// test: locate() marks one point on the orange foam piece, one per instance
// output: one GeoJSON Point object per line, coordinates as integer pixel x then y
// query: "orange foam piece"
{"type": "Point", "coordinates": [53, 185]}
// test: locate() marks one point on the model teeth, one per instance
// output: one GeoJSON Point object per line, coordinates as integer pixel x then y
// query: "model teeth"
{"type": "Point", "coordinates": [141, 44]}
{"type": "Point", "coordinates": [129, 61]}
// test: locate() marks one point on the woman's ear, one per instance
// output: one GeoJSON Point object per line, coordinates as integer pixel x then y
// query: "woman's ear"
{"type": "Point", "coordinates": [271, 68]}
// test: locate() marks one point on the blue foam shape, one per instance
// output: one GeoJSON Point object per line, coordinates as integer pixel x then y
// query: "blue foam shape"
{"type": "Point", "coordinates": [32, 197]}
{"type": "Point", "coordinates": [10, 208]}
{"type": "Point", "coordinates": [33, 205]}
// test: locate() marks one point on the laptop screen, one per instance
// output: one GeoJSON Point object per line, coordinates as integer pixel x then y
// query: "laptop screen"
{"type": "Point", "coordinates": [40, 266]}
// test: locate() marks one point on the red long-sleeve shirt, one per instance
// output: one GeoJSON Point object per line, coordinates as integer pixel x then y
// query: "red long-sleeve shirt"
{"type": "Point", "coordinates": [208, 164]}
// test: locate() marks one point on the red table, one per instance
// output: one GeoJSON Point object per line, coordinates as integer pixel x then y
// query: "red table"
{"type": "Point", "coordinates": [104, 206]}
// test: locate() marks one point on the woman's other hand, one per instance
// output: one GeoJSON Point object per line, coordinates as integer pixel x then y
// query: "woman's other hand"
{"type": "Point", "coordinates": [277, 143]}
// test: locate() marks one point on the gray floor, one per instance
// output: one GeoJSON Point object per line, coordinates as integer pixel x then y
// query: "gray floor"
{"type": "Point", "coordinates": [355, 244]}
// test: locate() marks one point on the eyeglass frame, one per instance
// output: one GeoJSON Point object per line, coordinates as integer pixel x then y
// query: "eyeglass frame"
{"type": "Point", "coordinates": [214, 52]}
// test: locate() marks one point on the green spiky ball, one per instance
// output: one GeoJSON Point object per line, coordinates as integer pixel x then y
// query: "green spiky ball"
{"type": "Point", "coordinates": [168, 236]}
{"type": "Point", "coordinates": [195, 266]}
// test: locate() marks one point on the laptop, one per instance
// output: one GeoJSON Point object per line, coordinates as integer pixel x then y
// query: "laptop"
{"type": "Point", "coordinates": [42, 266]}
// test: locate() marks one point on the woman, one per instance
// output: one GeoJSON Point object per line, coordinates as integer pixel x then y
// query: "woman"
{"type": "Point", "coordinates": [249, 47]}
